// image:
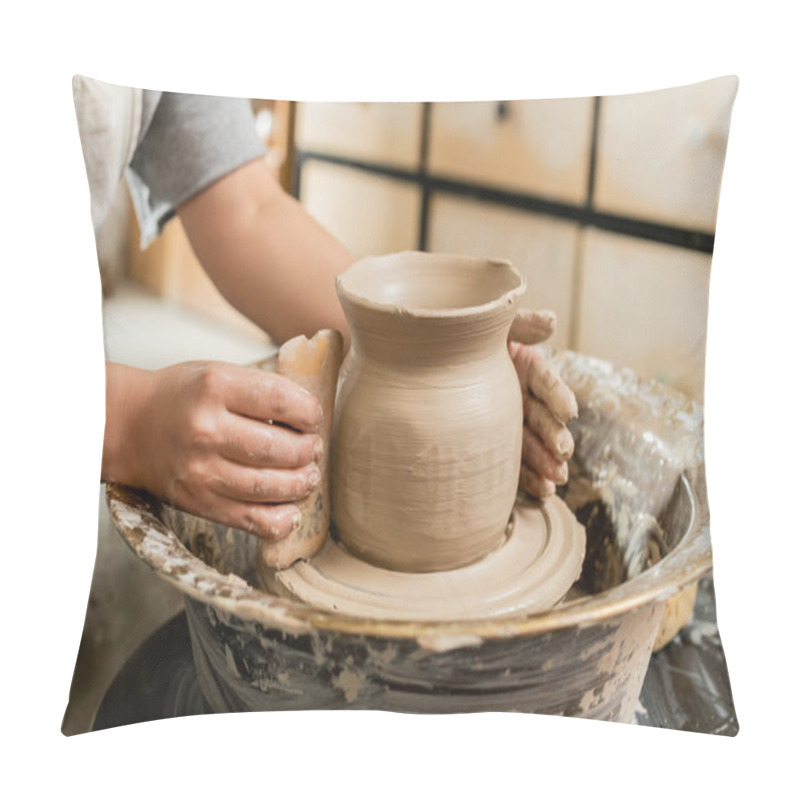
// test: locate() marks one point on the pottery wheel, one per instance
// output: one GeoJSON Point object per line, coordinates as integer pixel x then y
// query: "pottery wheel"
{"type": "Point", "coordinates": [530, 571]}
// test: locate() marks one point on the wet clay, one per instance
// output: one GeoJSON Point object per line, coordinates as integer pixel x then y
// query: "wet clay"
{"type": "Point", "coordinates": [427, 432]}
{"type": "Point", "coordinates": [531, 570]}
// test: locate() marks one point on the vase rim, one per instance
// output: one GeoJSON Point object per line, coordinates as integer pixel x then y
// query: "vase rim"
{"type": "Point", "coordinates": [499, 295]}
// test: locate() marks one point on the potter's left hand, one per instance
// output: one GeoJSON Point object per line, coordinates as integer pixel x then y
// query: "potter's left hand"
{"type": "Point", "coordinates": [548, 404]}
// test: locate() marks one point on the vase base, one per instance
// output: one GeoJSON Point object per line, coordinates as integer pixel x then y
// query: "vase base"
{"type": "Point", "coordinates": [532, 569]}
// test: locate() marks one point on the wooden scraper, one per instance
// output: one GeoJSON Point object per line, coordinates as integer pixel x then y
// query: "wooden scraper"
{"type": "Point", "coordinates": [313, 364]}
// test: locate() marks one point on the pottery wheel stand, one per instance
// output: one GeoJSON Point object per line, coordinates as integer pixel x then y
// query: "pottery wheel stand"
{"type": "Point", "coordinates": [159, 681]}
{"type": "Point", "coordinates": [646, 521]}
{"type": "Point", "coordinates": [530, 571]}
{"type": "Point", "coordinates": [439, 589]}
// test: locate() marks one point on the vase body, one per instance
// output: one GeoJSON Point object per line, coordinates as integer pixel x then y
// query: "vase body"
{"type": "Point", "coordinates": [427, 431]}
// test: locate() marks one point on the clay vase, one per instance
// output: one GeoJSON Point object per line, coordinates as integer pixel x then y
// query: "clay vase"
{"type": "Point", "coordinates": [427, 432]}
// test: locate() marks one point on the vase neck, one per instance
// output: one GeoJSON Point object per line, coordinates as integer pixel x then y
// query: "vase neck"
{"type": "Point", "coordinates": [386, 336]}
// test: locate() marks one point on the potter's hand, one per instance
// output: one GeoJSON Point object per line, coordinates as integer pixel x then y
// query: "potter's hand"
{"type": "Point", "coordinates": [199, 434]}
{"type": "Point", "coordinates": [548, 404]}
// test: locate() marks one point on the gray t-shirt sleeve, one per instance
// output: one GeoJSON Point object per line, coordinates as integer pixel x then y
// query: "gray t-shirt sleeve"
{"type": "Point", "coordinates": [190, 142]}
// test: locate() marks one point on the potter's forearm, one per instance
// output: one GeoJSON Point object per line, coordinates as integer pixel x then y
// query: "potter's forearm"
{"type": "Point", "coordinates": [266, 255]}
{"type": "Point", "coordinates": [125, 390]}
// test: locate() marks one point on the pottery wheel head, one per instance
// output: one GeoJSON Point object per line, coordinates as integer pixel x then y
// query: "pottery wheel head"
{"type": "Point", "coordinates": [532, 569]}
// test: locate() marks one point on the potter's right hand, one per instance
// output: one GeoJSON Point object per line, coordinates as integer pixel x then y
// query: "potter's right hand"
{"type": "Point", "coordinates": [234, 444]}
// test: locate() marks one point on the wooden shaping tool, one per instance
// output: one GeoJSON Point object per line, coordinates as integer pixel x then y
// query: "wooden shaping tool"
{"type": "Point", "coordinates": [314, 365]}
